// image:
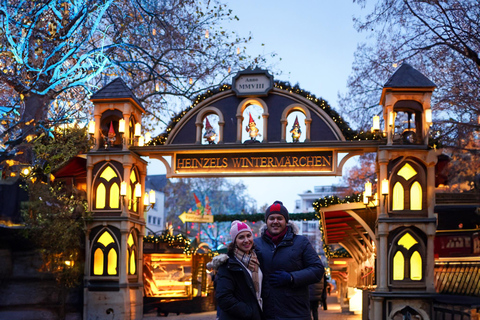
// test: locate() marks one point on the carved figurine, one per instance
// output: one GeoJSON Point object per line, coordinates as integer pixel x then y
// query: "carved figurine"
{"type": "Point", "coordinates": [296, 132]}
{"type": "Point", "coordinates": [110, 138]}
{"type": "Point", "coordinates": [252, 128]}
{"type": "Point", "coordinates": [210, 134]}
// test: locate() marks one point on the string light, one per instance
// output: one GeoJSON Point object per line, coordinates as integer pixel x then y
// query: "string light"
{"type": "Point", "coordinates": [348, 133]}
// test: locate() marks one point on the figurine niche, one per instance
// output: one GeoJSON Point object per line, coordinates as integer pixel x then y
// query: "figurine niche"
{"type": "Point", "coordinates": [296, 132]}
{"type": "Point", "coordinates": [210, 134]}
{"type": "Point", "coordinates": [110, 138]}
{"type": "Point", "coordinates": [252, 130]}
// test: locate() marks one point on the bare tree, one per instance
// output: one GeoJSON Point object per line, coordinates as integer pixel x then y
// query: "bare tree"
{"type": "Point", "coordinates": [54, 53]}
{"type": "Point", "coordinates": [438, 38]}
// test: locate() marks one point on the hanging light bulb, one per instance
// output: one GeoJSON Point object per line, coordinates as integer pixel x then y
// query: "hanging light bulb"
{"type": "Point", "coordinates": [391, 118]}
{"type": "Point", "coordinates": [146, 199]}
{"type": "Point", "coordinates": [368, 189]}
{"type": "Point", "coordinates": [428, 116]}
{"type": "Point", "coordinates": [138, 190]}
{"type": "Point", "coordinates": [384, 187]}
{"type": "Point", "coordinates": [152, 196]}
{"type": "Point", "coordinates": [123, 188]}
{"type": "Point", "coordinates": [91, 127]}
{"type": "Point", "coordinates": [206, 34]}
{"type": "Point", "coordinates": [121, 126]}
{"type": "Point", "coordinates": [376, 123]}
{"type": "Point", "coordinates": [190, 81]}
{"type": "Point", "coordinates": [157, 87]}
{"type": "Point", "coordinates": [138, 129]}
{"type": "Point", "coordinates": [238, 50]}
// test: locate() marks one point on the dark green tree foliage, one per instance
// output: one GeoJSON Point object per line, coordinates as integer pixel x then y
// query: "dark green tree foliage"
{"type": "Point", "coordinates": [56, 213]}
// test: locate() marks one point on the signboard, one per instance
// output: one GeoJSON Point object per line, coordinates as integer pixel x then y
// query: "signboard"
{"type": "Point", "coordinates": [192, 217]}
{"type": "Point", "coordinates": [231, 164]}
{"type": "Point", "coordinates": [252, 83]}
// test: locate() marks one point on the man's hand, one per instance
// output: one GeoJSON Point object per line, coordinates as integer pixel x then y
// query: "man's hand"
{"type": "Point", "coordinates": [280, 279]}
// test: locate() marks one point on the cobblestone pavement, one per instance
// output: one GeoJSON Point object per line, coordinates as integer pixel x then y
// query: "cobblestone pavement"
{"type": "Point", "coordinates": [333, 312]}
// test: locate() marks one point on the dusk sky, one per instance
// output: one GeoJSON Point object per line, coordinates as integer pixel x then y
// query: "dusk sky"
{"type": "Point", "coordinates": [316, 42]}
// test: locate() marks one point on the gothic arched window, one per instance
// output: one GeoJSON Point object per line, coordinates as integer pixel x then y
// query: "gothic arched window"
{"type": "Point", "coordinates": [409, 188]}
{"type": "Point", "coordinates": [107, 189]}
{"type": "Point", "coordinates": [105, 255]}
{"type": "Point", "coordinates": [407, 258]}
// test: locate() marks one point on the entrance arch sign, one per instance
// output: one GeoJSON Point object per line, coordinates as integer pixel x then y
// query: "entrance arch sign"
{"type": "Point", "coordinates": [232, 155]}
{"type": "Point", "coordinates": [321, 144]}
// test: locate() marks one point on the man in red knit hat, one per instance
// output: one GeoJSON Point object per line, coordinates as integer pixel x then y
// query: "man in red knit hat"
{"type": "Point", "coordinates": [289, 265]}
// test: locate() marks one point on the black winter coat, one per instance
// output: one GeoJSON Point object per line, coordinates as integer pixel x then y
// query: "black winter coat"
{"type": "Point", "coordinates": [295, 255]}
{"type": "Point", "coordinates": [316, 290]}
{"type": "Point", "coordinates": [235, 293]}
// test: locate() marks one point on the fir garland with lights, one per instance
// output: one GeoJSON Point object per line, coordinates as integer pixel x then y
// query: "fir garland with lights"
{"type": "Point", "coordinates": [328, 201]}
{"type": "Point", "coordinates": [179, 241]}
{"type": "Point", "coordinates": [331, 200]}
{"type": "Point", "coordinates": [261, 217]}
{"type": "Point", "coordinates": [348, 133]}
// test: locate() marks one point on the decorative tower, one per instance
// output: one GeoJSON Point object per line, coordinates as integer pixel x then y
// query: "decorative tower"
{"type": "Point", "coordinates": [115, 185]}
{"type": "Point", "coordinates": [406, 222]}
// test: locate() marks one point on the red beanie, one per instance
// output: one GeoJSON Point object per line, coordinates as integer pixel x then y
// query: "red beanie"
{"type": "Point", "coordinates": [277, 207]}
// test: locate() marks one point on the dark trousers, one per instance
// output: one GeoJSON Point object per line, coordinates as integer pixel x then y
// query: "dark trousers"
{"type": "Point", "coordinates": [314, 309]}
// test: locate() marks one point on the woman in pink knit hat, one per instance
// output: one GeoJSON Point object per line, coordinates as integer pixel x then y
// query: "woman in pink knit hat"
{"type": "Point", "coordinates": [238, 279]}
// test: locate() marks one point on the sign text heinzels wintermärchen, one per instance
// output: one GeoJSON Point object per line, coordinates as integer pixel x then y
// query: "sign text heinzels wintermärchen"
{"type": "Point", "coordinates": [241, 163]}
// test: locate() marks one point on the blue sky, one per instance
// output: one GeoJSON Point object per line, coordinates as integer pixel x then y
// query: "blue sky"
{"type": "Point", "coordinates": [316, 42]}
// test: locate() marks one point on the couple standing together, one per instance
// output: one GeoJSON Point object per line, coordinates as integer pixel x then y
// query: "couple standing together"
{"type": "Point", "coordinates": [266, 278]}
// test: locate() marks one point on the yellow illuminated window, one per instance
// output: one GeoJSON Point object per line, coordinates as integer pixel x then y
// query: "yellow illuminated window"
{"type": "Point", "coordinates": [416, 266]}
{"type": "Point", "coordinates": [133, 177]}
{"type": "Point", "coordinates": [100, 197]}
{"type": "Point", "coordinates": [132, 265]}
{"type": "Point", "coordinates": [397, 199]}
{"type": "Point", "coordinates": [407, 241]}
{"type": "Point", "coordinates": [398, 266]}
{"type": "Point", "coordinates": [115, 196]}
{"type": "Point", "coordinates": [107, 192]}
{"type": "Point", "coordinates": [104, 244]}
{"type": "Point", "coordinates": [416, 196]}
{"type": "Point", "coordinates": [108, 174]}
{"type": "Point", "coordinates": [407, 172]}
{"type": "Point", "coordinates": [98, 262]}
{"type": "Point", "coordinates": [130, 240]}
{"type": "Point", "coordinates": [106, 239]}
{"type": "Point", "coordinates": [112, 262]}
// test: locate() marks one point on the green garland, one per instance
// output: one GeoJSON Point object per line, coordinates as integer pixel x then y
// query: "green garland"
{"type": "Point", "coordinates": [261, 217]}
{"type": "Point", "coordinates": [343, 125]}
{"type": "Point", "coordinates": [331, 200]}
{"type": "Point", "coordinates": [179, 241]}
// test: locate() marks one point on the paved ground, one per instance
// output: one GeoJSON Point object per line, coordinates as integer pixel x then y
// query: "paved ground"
{"type": "Point", "coordinates": [333, 312]}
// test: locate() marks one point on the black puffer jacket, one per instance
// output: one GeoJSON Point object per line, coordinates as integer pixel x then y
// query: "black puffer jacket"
{"type": "Point", "coordinates": [295, 255]}
{"type": "Point", "coordinates": [316, 290]}
{"type": "Point", "coordinates": [235, 293]}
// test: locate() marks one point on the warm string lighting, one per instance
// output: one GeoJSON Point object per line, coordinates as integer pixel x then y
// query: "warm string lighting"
{"type": "Point", "coordinates": [91, 127]}
{"type": "Point", "coordinates": [178, 241]}
{"type": "Point", "coordinates": [349, 134]}
{"type": "Point", "coordinates": [428, 116]}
